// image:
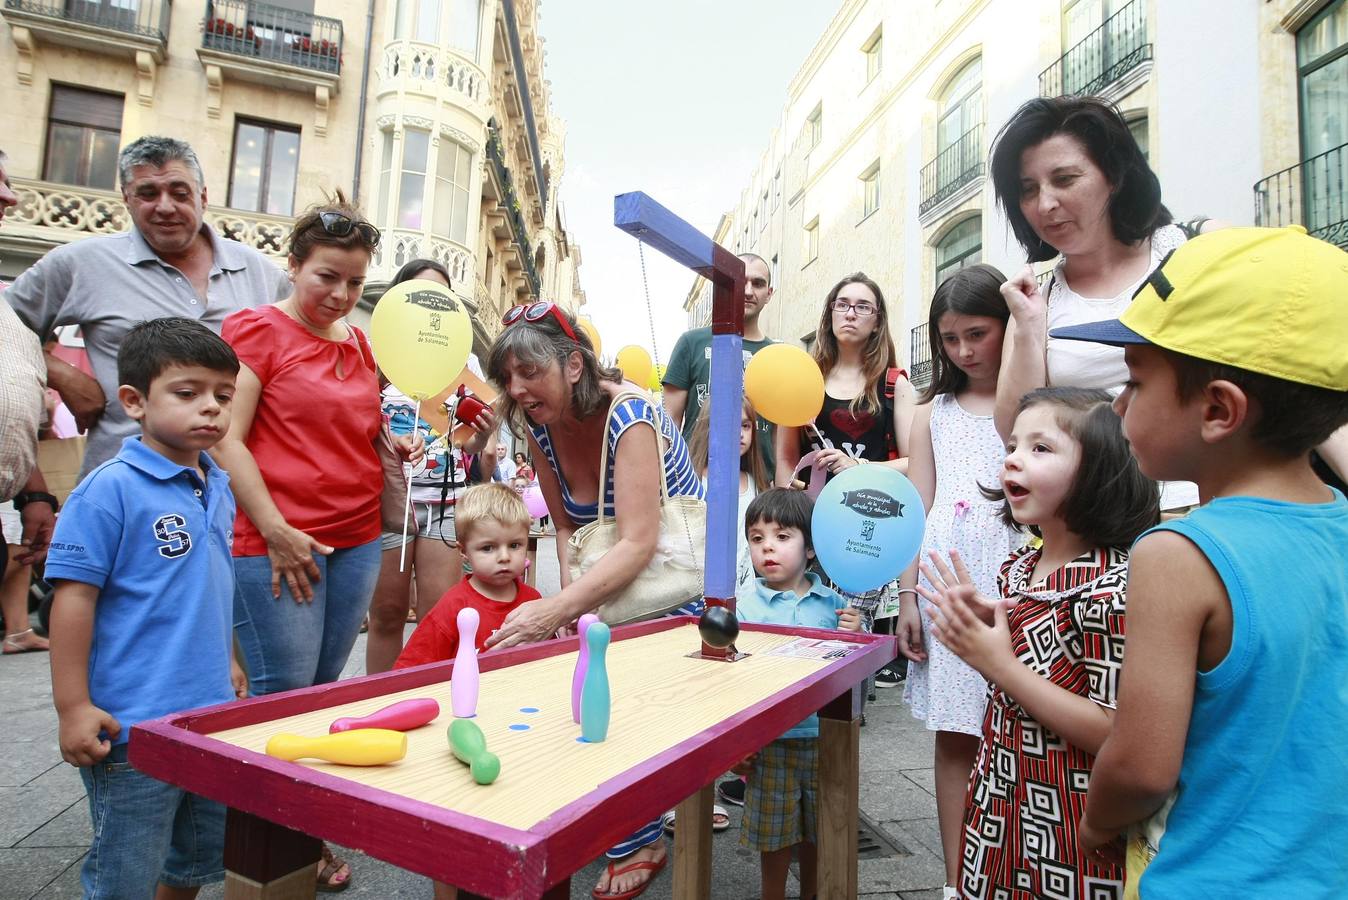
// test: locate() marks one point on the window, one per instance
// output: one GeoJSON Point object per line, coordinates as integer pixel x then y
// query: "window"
{"type": "Point", "coordinates": [1138, 128]}
{"type": "Point", "coordinates": [465, 22]}
{"type": "Point", "coordinates": [871, 51]}
{"type": "Point", "coordinates": [811, 241]}
{"type": "Point", "coordinates": [84, 129]}
{"type": "Point", "coordinates": [763, 208]}
{"type": "Point", "coordinates": [814, 128]}
{"type": "Point", "coordinates": [412, 180]}
{"type": "Point", "coordinates": [266, 158]}
{"type": "Point", "coordinates": [961, 106]}
{"type": "Point", "coordinates": [1322, 70]}
{"type": "Point", "coordinates": [385, 178]}
{"type": "Point", "coordinates": [453, 166]}
{"type": "Point", "coordinates": [962, 246]}
{"type": "Point", "coordinates": [870, 189]}
{"type": "Point", "coordinates": [777, 189]}
{"type": "Point", "coordinates": [772, 270]}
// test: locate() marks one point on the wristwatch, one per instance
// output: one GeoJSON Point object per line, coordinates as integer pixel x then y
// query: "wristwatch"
{"type": "Point", "coordinates": [23, 498]}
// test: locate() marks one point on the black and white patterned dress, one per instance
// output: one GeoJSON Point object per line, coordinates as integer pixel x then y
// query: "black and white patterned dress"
{"type": "Point", "coordinates": [1028, 788]}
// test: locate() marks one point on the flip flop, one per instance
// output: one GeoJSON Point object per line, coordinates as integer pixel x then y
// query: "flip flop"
{"type": "Point", "coordinates": [720, 819]}
{"type": "Point", "coordinates": [643, 865]}
{"type": "Point", "coordinates": [14, 643]}
{"type": "Point", "coordinates": [332, 864]}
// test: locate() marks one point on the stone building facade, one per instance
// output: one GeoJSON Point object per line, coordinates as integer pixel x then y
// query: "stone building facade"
{"type": "Point", "coordinates": [434, 115]}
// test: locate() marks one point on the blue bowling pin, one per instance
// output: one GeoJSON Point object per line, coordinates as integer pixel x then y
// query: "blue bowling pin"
{"type": "Point", "coordinates": [594, 694]}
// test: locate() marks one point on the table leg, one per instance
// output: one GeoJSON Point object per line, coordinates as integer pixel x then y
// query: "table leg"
{"type": "Point", "coordinates": [266, 861]}
{"type": "Point", "coordinates": [839, 766]}
{"type": "Point", "coordinates": [692, 845]}
{"type": "Point", "coordinates": [559, 891]}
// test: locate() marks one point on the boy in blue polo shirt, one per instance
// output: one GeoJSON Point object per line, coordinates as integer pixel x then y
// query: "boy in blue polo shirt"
{"type": "Point", "coordinates": [782, 778]}
{"type": "Point", "coordinates": [143, 610]}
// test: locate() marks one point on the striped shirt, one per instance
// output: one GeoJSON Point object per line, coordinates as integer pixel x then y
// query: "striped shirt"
{"type": "Point", "coordinates": [683, 480]}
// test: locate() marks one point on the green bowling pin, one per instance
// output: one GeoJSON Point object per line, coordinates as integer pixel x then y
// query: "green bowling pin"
{"type": "Point", "coordinates": [470, 747]}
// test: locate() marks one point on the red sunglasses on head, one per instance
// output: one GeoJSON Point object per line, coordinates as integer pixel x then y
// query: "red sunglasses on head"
{"type": "Point", "coordinates": [534, 311]}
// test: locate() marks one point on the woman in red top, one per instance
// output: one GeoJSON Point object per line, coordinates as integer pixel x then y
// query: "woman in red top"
{"type": "Point", "coordinates": [302, 460]}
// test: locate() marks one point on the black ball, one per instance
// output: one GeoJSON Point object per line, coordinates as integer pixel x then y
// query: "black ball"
{"type": "Point", "coordinates": [718, 626]}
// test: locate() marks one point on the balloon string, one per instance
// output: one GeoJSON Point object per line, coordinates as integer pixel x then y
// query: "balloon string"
{"type": "Point", "coordinates": [407, 503]}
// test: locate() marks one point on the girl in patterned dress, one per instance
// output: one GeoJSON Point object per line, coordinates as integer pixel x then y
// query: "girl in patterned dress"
{"type": "Point", "coordinates": [1051, 647]}
{"type": "Point", "coordinates": [954, 450]}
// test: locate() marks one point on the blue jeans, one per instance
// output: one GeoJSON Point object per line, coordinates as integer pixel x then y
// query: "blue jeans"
{"type": "Point", "coordinates": [146, 831]}
{"type": "Point", "coordinates": [288, 645]}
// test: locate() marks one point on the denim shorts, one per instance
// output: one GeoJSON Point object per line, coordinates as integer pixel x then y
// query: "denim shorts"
{"type": "Point", "coordinates": [146, 831]}
{"type": "Point", "coordinates": [433, 521]}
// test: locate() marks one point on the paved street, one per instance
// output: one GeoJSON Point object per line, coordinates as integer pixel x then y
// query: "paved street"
{"type": "Point", "coordinates": [44, 823]}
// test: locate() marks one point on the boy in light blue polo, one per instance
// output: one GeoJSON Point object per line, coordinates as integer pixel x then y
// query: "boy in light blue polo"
{"type": "Point", "coordinates": [143, 610]}
{"type": "Point", "coordinates": [779, 797]}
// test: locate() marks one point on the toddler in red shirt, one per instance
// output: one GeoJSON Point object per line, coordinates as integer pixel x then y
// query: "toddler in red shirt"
{"type": "Point", "coordinates": [493, 533]}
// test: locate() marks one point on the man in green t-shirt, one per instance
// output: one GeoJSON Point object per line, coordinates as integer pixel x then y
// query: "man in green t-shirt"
{"type": "Point", "coordinates": [689, 373]}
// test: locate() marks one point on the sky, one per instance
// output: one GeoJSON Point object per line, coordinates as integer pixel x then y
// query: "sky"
{"type": "Point", "coordinates": [674, 99]}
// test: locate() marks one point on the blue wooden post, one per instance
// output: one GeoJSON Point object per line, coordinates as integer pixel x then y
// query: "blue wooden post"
{"type": "Point", "coordinates": [639, 215]}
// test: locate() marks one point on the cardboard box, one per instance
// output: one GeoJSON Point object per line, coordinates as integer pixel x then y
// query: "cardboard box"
{"type": "Point", "coordinates": [60, 462]}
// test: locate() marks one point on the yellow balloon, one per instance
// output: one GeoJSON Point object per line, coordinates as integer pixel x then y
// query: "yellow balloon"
{"type": "Point", "coordinates": [635, 363]}
{"type": "Point", "coordinates": [588, 327]}
{"type": "Point", "coordinates": [421, 337]}
{"type": "Point", "coordinates": [657, 381]}
{"type": "Point", "coordinates": [785, 385]}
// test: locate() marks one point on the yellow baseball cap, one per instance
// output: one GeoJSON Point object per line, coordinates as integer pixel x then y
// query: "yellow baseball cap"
{"type": "Point", "coordinates": [1267, 300]}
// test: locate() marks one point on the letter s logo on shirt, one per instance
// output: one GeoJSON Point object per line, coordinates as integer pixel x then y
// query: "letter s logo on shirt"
{"type": "Point", "coordinates": [177, 542]}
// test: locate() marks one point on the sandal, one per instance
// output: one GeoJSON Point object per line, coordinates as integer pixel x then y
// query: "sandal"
{"type": "Point", "coordinates": [643, 865]}
{"type": "Point", "coordinates": [720, 819]}
{"type": "Point", "coordinates": [332, 865]}
{"type": "Point", "coordinates": [25, 642]}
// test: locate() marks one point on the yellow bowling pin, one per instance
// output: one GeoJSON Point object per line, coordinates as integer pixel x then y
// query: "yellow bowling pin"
{"type": "Point", "coordinates": [359, 747]}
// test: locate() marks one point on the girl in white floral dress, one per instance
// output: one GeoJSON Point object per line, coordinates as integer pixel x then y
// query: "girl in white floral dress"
{"type": "Point", "coordinates": [954, 452]}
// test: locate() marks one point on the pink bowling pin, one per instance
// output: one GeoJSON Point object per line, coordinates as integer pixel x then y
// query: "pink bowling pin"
{"type": "Point", "coordinates": [582, 663]}
{"type": "Point", "coordinates": [463, 683]}
{"type": "Point", "coordinates": [401, 716]}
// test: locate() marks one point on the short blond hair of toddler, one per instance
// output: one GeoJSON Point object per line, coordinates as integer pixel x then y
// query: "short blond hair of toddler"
{"type": "Point", "coordinates": [495, 502]}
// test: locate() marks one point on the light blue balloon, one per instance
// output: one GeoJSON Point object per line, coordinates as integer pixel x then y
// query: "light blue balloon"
{"type": "Point", "coordinates": [867, 526]}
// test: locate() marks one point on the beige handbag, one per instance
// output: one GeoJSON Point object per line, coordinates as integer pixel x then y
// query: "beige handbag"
{"type": "Point", "coordinates": [673, 577]}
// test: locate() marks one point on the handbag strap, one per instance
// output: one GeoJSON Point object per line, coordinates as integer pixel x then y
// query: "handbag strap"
{"type": "Point", "coordinates": [624, 395]}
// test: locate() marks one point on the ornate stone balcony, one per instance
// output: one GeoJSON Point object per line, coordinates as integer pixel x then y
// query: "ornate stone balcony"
{"type": "Point", "coordinates": [399, 246]}
{"type": "Point", "coordinates": [435, 72]}
{"type": "Point", "coordinates": [138, 31]}
{"type": "Point", "coordinates": [50, 214]}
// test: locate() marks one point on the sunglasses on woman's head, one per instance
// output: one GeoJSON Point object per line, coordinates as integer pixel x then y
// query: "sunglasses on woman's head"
{"type": "Point", "coordinates": [532, 312]}
{"type": "Point", "coordinates": [340, 225]}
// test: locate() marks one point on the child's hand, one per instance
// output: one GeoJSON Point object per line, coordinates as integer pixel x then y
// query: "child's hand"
{"type": "Point", "coordinates": [1100, 846]}
{"type": "Point", "coordinates": [958, 624]}
{"type": "Point", "coordinates": [831, 460]}
{"type": "Point", "coordinates": [908, 629]}
{"type": "Point", "coordinates": [954, 574]}
{"type": "Point", "coordinates": [745, 767]}
{"type": "Point", "coordinates": [79, 728]}
{"type": "Point", "coordinates": [411, 447]}
{"type": "Point", "coordinates": [238, 679]}
{"type": "Point", "coordinates": [849, 619]}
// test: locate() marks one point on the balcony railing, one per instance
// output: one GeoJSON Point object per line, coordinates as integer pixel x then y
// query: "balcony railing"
{"type": "Point", "coordinates": [919, 353]}
{"type": "Point", "coordinates": [952, 169]}
{"type": "Point", "coordinates": [273, 34]}
{"type": "Point", "coordinates": [146, 18]}
{"type": "Point", "coordinates": [511, 203]}
{"type": "Point", "coordinates": [1105, 55]}
{"type": "Point", "coordinates": [57, 214]}
{"type": "Point", "coordinates": [1313, 193]}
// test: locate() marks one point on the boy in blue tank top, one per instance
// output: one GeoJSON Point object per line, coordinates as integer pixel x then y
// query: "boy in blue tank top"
{"type": "Point", "coordinates": [1227, 754]}
{"type": "Point", "coordinates": [141, 622]}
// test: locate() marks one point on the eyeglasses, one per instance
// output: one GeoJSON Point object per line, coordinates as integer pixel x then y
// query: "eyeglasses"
{"type": "Point", "coordinates": [862, 309]}
{"type": "Point", "coordinates": [535, 311]}
{"type": "Point", "coordinates": [340, 225]}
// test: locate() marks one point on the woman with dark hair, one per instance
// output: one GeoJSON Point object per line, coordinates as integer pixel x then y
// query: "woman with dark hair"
{"type": "Point", "coordinates": [859, 422]}
{"type": "Point", "coordinates": [556, 392]}
{"type": "Point", "coordinates": [1074, 183]}
{"type": "Point", "coordinates": [433, 563]}
{"type": "Point", "coordinates": [301, 456]}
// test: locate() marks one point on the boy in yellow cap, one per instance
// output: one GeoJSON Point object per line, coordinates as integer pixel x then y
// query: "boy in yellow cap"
{"type": "Point", "coordinates": [1233, 703]}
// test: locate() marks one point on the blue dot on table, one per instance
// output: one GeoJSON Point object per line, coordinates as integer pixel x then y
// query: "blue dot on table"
{"type": "Point", "coordinates": [528, 709]}
{"type": "Point", "coordinates": [519, 727]}
{"type": "Point", "coordinates": [581, 740]}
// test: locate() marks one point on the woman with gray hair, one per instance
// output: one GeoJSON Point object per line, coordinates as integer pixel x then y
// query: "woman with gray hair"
{"type": "Point", "coordinates": [556, 391]}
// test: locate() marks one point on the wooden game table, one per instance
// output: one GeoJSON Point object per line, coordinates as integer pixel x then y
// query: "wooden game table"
{"type": "Point", "coordinates": [677, 724]}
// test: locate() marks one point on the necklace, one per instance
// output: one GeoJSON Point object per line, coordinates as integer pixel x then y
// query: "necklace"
{"type": "Point", "coordinates": [1018, 582]}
